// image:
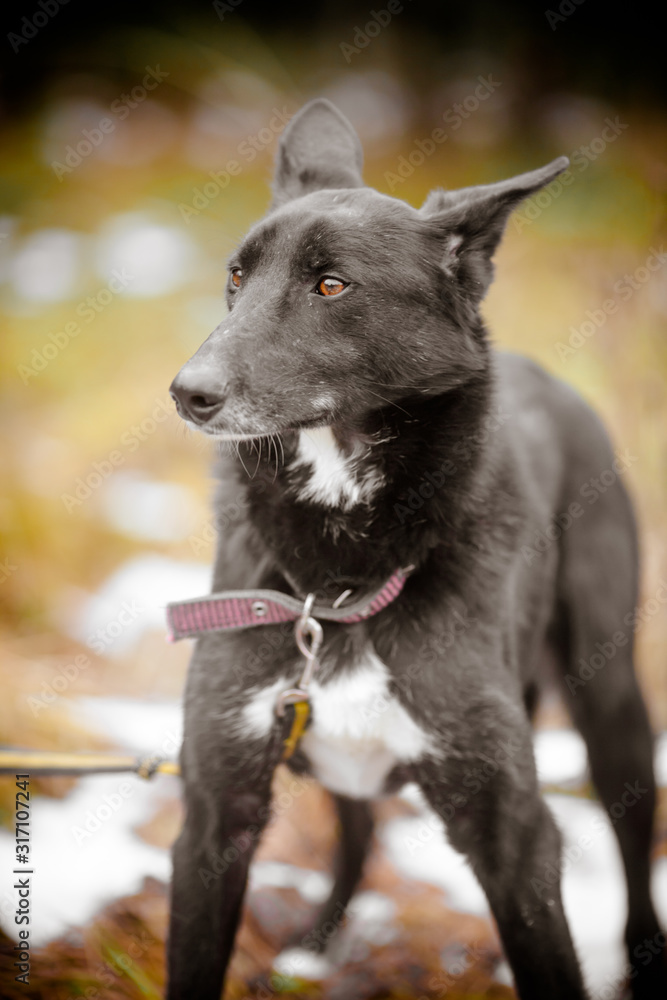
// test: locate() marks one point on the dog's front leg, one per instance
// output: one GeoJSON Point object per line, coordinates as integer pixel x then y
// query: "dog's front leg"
{"type": "Point", "coordinates": [224, 819]}
{"type": "Point", "coordinates": [486, 792]}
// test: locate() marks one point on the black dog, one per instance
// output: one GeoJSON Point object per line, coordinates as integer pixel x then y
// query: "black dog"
{"type": "Point", "coordinates": [354, 344]}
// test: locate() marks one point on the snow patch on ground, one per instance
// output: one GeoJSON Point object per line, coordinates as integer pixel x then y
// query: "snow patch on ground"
{"type": "Point", "coordinates": [560, 755]}
{"type": "Point", "coordinates": [313, 886]}
{"type": "Point", "coordinates": [84, 852]}
{"type": "Point", "coordinates": [132, 601]}
{"type": "Point", "coordinates": [134, 725]}
{"type": "Point", "coordinates": [141, 507]}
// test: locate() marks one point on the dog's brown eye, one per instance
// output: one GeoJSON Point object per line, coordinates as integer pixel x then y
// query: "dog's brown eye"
{"type": "Point", "coordinates": [331, 286]}
{"type": "Point", "coordinates": [236, 277]}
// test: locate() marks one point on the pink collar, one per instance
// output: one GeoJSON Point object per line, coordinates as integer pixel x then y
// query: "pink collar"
{"type": "Point", "coordinates": [233, 609]}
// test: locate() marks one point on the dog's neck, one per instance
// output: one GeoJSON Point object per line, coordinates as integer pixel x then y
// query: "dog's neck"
{"type": "Point", "coordinates": [347, 505]}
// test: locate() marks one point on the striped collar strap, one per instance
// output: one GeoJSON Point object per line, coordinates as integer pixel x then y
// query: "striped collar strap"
{"type": "Point", "coordinates": [235, 609]}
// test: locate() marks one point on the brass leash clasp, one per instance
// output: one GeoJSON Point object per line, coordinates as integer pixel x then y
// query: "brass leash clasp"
{"type": "Point", "coordinates": [308, 634]}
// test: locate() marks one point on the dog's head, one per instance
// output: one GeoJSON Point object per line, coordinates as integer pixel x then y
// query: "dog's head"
{"type": "Point", "coordinates": [342, 299]}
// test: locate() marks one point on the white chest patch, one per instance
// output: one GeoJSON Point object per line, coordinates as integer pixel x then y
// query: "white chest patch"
{"type": "Point", "coordinates": [358, 733]}
{"type": "Point", "coordinates": [336, 480]}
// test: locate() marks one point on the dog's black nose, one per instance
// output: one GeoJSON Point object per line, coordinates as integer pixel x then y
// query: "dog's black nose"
{"type": "Point", "coordinates": [197, 396]}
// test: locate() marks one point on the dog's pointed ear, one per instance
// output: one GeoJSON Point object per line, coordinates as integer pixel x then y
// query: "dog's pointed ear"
{"type": "Point", "coordinates": [318, 149]}
{"type": "Point", "coordinates": [471, 221]}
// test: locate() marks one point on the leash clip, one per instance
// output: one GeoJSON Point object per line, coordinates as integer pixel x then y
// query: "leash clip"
{"type": "Point", "coordinates": [308, 634]}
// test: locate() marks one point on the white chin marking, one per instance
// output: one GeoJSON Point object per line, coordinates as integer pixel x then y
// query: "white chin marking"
{"type": "Point", "coordinates": [335, 479]}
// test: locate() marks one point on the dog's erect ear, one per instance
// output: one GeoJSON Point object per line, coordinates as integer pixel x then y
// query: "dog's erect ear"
{"type": "Point", "coordinates": [318, 149]}
{"type": "Point", "coordinates": [471, 221]}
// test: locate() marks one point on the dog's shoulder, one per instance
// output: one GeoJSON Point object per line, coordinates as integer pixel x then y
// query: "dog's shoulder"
{"type": "Point", "coordinates": [553, 440]}
{"type": "Point", "coordinates": [534, 399]}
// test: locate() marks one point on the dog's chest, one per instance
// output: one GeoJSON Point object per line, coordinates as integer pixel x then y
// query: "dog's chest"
{"type": "Point", "coordinates": [359, 730]}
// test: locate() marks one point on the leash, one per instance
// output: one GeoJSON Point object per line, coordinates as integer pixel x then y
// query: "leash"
{"type": "Point", "coordinates": [51, 763]}
{"type": "Point", "coordinates": [236, 609]}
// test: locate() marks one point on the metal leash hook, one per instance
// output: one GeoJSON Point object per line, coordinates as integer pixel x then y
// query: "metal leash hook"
{"type": "Point", "coordinates": [308, 634]}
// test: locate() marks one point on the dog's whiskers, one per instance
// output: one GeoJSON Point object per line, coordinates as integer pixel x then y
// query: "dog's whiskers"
{"type": "Point", "coordinates": [259, 455]}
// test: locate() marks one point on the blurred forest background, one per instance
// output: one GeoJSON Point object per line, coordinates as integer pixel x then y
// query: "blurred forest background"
{"type": "Point", "coordinates": [137, 145]}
